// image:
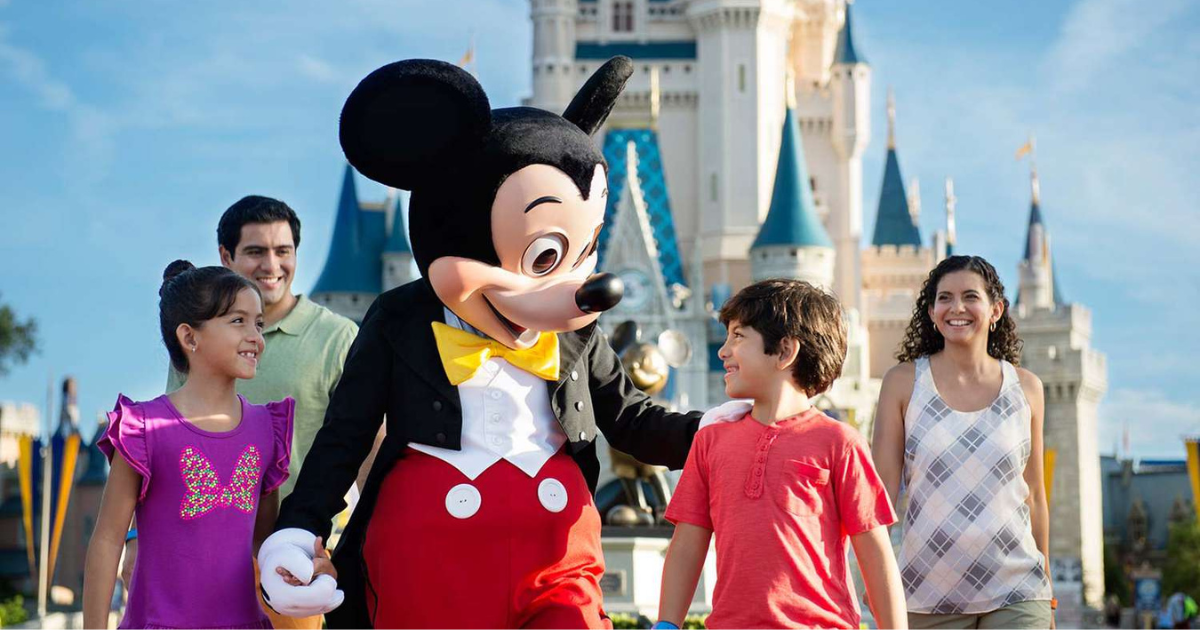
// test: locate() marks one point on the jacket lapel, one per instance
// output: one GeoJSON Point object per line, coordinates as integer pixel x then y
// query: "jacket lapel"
{"type": "Point", "coordinates": [571, 347]}
{"type": "Point", "coordinates": [416, 345]}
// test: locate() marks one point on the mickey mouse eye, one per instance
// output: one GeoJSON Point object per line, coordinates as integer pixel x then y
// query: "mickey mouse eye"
{"type": "Point", "coordinates": [543, 255]}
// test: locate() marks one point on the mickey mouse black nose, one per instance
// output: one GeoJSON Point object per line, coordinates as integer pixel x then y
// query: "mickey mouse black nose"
{"type": "Point", "coordinates": [600, 293]}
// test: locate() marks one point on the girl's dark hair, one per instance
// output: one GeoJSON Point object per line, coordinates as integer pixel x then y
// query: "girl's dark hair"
{"type": "Point", "coordinates": [192, 296]}
{"type": "Point", "coordinates": [922, 337]}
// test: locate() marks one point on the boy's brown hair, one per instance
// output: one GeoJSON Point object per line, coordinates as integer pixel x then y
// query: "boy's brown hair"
{"type": "Point", "coordinates": [780, 308]}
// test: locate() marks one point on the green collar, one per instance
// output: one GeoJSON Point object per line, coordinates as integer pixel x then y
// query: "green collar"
{"type": "Point", "coordinates": [301, 315]}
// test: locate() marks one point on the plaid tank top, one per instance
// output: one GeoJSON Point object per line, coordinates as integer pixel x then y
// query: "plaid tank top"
{"type": "Point", "coordinates": [968, 546]}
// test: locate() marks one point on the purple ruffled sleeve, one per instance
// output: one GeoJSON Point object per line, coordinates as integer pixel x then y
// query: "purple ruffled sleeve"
{"type": "Point", "coordinates": [126, 434]}
{"type": "Point", "coordinates": [281, 413]}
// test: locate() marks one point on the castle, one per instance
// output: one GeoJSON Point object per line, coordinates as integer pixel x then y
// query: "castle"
{"type": "Point", "coordinates": [735, 153]}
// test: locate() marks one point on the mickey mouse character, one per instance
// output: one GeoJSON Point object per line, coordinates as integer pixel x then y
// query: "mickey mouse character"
{"type": "Point", "coordinates": [490, 370]}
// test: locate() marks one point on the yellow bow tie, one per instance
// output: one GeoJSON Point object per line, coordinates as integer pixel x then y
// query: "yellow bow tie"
{"type": "Point", "coordinates": [463, 353]}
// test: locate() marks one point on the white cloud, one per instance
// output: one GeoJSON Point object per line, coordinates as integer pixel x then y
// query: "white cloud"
{"type": "Point", "coordinates": [1097, 33]}
{"type": "Point", "coordinates": [319, 70]}
{"type": "Point", "coordinates": [1156, 424]}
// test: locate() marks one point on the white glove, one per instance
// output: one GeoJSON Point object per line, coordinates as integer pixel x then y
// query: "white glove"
{"type": "Point", "coordinates": [293, 549]}
{"type": "Point", "coordinates": [727, 412]}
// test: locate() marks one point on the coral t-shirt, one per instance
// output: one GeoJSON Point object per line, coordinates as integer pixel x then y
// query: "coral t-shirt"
{"type": "Point", "coordinates": [783, 501]}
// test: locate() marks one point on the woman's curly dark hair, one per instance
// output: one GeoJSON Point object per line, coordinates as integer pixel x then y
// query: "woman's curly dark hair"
{"type": "Point", "coordinates": [922, 337]}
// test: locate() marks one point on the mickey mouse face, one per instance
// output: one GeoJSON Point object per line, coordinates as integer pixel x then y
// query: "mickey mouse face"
{"type": "Point", "coordinates": [507, 205]}
{"type": "Point", "coordinates": [545, 234]}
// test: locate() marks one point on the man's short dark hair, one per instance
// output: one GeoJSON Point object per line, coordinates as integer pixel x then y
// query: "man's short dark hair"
{"type": "Point", "coordinates": [254, 209]}
{"type": "Point", "coordinates": [779, 309]}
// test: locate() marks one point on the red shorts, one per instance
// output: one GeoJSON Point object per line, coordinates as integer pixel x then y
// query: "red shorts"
{"type": "Point", "coordinates": [501, 551]}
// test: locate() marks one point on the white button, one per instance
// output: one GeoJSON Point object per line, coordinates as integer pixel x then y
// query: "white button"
{"type": "Point", "coordinates": [553, 495]}
{"type": "Point", "coordinates": [463, 501]}
{"type": "Point", "coordinates": [583, 435]}
{"type": "Point", "coordinates": [495, 417]}
{"type": "Point", "coordinates": [495, 394]}
{"type": "Point", "coordinates": [492, 367]}
{"type": "Point", "coordinates": [496, 441]}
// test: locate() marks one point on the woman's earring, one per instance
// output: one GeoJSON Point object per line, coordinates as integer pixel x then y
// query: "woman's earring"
{"type": "Point", "coordinates": [194, 345]}
{"type": "Point", "coordinates": [992, 328]}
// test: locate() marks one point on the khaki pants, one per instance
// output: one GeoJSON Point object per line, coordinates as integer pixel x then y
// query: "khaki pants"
{"type": "Point", "coordinates": [279, 621]}
{"type": "Point", "coordinates": [1030, 614]}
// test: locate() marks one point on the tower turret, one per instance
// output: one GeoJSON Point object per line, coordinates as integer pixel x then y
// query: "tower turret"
{"type": "Point", "coordinates": [397, 254]}
{"type": "Point", "coordinates": [742, 48]}
{"type": "Point", "coordinates": [1037, 288]}
{"type": "Point", "coordinates": [894, 223]}
{"type": "Point", "coordinates": [951, 227]}
{"type": "Point", "coordinates": [792, 242]}
{"type": "Point", "coordinates": [553, 52]}
{"type": "Point", "coordinates": [353, 270]}
{"type": "Point", "coordinates": [850, 87]}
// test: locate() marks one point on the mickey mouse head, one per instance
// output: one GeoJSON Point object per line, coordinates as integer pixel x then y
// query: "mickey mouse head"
{"type": "Point", "coordinates": [506, 204]}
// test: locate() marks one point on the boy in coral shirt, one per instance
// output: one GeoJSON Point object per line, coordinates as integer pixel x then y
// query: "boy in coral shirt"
{"type": "Point", "coordinates": [785, 487]}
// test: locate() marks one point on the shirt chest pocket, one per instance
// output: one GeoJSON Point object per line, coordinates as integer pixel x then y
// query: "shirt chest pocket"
{"type": "Point", "coordinates": [801, 488]}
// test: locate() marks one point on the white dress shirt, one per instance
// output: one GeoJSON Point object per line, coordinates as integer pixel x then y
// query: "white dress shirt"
{"type": "Point", "coordinates": [505, 415]}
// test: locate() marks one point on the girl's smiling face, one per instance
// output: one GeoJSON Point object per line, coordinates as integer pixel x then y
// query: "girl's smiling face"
{"type": "Point", "coordinates": [228, 344]}
{"type": "Point", "coordinates": [962, 311]}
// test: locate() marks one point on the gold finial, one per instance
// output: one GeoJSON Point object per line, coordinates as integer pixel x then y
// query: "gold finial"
{"type": "Point", "coordinates": [891, 114]}
{"type": "Point", "coordinates": [655, 97]}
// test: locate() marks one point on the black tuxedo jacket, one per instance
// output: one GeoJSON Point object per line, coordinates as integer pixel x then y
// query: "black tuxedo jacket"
{"type": "Point", "coordinates": [393, 371]}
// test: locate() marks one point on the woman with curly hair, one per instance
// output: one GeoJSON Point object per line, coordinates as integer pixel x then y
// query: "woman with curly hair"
{"type": "Point", "coordinates": [961, 425]}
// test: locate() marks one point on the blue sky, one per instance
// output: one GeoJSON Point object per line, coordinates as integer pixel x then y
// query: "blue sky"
{"type": "Point", "coordinates": [128, 127]}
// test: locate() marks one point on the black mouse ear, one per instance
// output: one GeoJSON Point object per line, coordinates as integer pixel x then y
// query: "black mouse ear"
{"type": "Point", "coordinates": [409, 120]}
{"type": "Point", "coordinates": [591, 106]}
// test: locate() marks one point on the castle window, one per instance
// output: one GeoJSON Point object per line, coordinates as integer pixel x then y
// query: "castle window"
{"type": "Point", "coordinates": [687, 69]}
{"type": "Point", "coordinates": [812, 181]}
{"type": "Point", "coordinates": [712, 185]}
{"type": "Point", "coordinates": [741, 77]}
{"type": "Point", "coordinates": [622, 17]}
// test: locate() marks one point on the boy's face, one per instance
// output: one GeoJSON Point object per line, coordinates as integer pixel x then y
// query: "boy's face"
{"type": "Point", "coordinates": [749, 371]}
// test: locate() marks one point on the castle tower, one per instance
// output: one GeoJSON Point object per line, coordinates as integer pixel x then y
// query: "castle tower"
{"type": "Point", "coordinates": [1058, 349]}
{"type": "Point", "coordinates": [1037, 286]}
{"type": "Point", "coordinates": [850, 88]}
{"type": "Point", "coordinates": [553, 53]}
{"type": "Point", "coordinates": [814, 40]}
{"type": "Point", "coordinates": [352, 275]}
{"type": "Point", "coordinates": [740, 85]}
{"type": "Point", "coordinates": [397, 255]}
{"type": "Point", "coordinates": [792, 242]}
{"type": "Point", "coordinates": [895, 265]}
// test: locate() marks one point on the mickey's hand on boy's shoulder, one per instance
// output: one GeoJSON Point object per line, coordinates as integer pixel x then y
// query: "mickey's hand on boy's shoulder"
{"type": "Point", "coordinates": [297, 578]}
{"type": "Point", "coordinates": [731, 411]}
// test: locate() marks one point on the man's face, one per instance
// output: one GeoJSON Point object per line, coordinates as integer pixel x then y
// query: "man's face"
{"type": "Point", "coordinates": [266, 254]}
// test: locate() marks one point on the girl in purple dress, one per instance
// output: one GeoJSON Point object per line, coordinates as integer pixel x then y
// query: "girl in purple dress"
{"type": "Point", "coordinates": [200, 467]}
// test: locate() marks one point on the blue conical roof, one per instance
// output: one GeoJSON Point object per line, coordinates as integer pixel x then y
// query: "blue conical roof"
{"type": "Point", "coordinates": [354, 264]}
{"type": "Point", "coordinates": [1035, 219]}
{"type": "Point", "coordinates": [893, 222]}
{"type": "Point", "coordinates": [845, 52]}
{"type": "Point", "coordinates": [397, 242]}
{"type": "Point", "coordinates": [792, 218]}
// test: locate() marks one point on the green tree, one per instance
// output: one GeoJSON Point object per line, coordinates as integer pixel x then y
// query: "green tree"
{"type": "Point", "coordinates": [1181, 573]}
{"type": "Point", "coordinates": [17, 339]}
{"type": "Point", "coordinates": [1115, 580]}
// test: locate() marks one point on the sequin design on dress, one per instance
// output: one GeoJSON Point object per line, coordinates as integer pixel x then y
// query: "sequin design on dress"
{"type": "Point", "coordinates": [204, 490]}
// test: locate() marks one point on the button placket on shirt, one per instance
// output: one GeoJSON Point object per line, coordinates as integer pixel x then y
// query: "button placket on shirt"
{"type": "Point", "coordinates": [492, 406]}
{"type": "Point", "coordinates": [754, 481]}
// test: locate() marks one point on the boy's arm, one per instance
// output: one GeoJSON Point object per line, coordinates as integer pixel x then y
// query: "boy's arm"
{"type": "Point", "coordinates": [681, 571]}
{"type": "Point", "coordinates": [630, 421]}
{"type": "Point", "coordinates": [881, 576]}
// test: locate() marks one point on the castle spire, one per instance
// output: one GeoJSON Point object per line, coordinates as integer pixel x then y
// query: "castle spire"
{"type": "Point", "coordinates": [845, 53]}
{"type": "Point", "coordinates": [349, 267]}
{"type": "Point", "coordinates": [894, 224]}
{"type": "Point", "coordinates": [951, 230]}
{"type": "Point", "coordinates": [792, 218]}
{"type": "Point", "coordinates": [1039, 282]}
{"type": "Point", "coordinates": [891, 116]}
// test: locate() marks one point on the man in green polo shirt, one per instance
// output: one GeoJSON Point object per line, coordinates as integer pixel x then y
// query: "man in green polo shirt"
{"type": "Point", "coordinates": [306, 344]}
